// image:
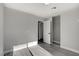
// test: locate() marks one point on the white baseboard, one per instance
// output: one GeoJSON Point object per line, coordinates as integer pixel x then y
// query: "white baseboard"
{"type": "Point", "coordinates": [32, 43]}
{"type": "Point", "coordinates": [57, 42]}
{"type": "Point", "coordinates": [19, 47]}
{"type": "Point", "coordinates": [22, 46]}
{"type": "Point", "coordinates": [73, 50]}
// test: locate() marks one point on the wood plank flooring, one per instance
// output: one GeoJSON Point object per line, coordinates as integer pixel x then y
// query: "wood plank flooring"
{"type": "Point", "coordinates": [38, 51]}
{"type": "Point", "coordinates": [55, 50]}
{"type": "Point", "coordinates": [43, 49]}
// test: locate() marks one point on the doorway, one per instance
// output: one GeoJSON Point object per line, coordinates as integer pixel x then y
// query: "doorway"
{"type": "Point", "coordinates": [40, 32]}
{"type": "Point", "coordinates": [56, 30]}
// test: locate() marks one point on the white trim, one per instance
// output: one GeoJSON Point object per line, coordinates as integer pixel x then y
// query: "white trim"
{"type": "Point", "coordinates": [22, 46]}
{"type": "Point", "coordinates": [32, 43]}
{"type": "Point", "coordinates": [19, 47]}
{"type": "Point", "coordinates": [57, 42]}
{"type": "Point", "coordinates": [73, 50]}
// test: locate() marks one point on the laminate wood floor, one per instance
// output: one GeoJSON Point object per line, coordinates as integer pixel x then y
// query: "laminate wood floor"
{"type": "Point", "coordinates": [53, 50]}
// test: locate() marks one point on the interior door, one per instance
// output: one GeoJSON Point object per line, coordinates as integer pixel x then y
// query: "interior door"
{"type": "Point", "coordinates": [47, 32]}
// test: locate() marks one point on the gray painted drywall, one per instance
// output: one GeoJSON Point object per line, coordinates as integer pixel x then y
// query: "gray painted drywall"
{"type": "Point", "coordinates": [1, 28]}
{"type": "Point", "coordinates": [70, 29]}
{"type": "Point", "coordinates": [20, 28]}
{"type": "Point", "coordinates": [56, 21]}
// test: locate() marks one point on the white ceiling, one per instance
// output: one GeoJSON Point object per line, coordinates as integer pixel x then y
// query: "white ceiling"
{"type": "Point", "coordinates": [42, 10]}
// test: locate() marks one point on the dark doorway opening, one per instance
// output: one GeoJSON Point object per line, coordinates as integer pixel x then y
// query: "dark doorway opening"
{"type": "Point", "coordinates": [40, 32]}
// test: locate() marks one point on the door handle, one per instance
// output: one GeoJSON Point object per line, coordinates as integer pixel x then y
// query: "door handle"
{"type": "Point", "coordinates": [49, 33]}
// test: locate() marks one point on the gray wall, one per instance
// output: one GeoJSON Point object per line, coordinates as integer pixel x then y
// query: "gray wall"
{"type": "Point", "coordinates": [20, 28]}
{"type": "Point", "coordinates": [1, 28]}
{"type": "Point", "coordinates": [70, 30]}
{"type": "Point", "coordinates": [56, 29]}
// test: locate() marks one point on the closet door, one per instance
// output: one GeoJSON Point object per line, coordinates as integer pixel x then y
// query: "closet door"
{"type": "Point", "coordinates": [47, 34]}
